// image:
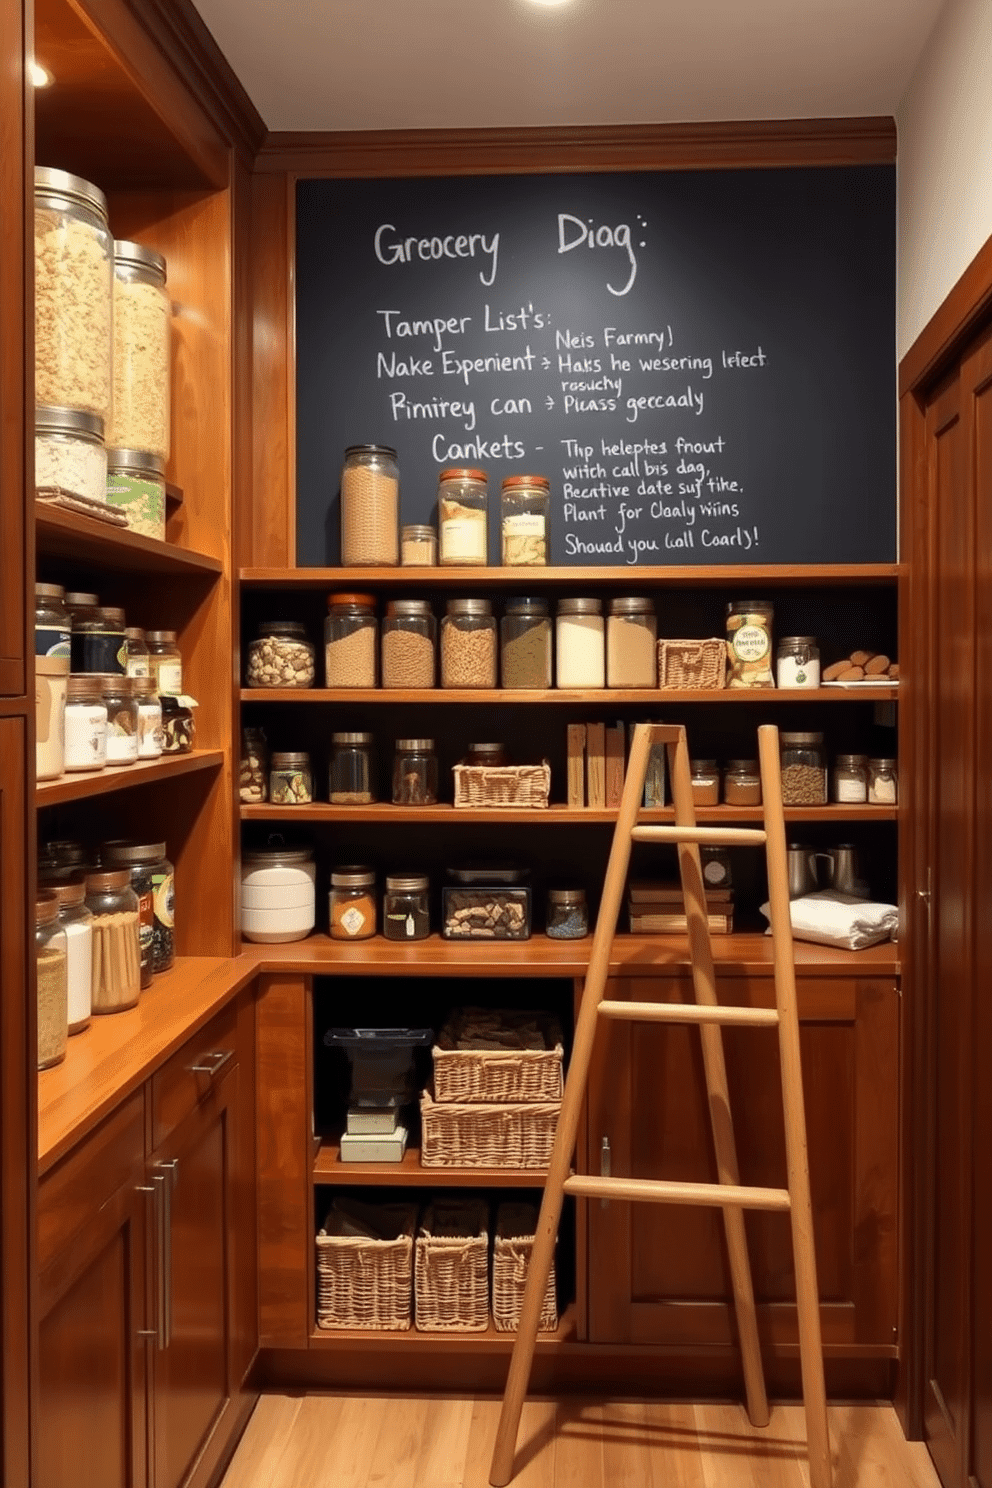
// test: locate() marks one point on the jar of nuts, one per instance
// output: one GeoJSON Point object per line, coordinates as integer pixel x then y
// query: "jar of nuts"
{"type": "Point", "coordinates": [281, 656]}
{"type": "Point", "coordinates": [254, 774]}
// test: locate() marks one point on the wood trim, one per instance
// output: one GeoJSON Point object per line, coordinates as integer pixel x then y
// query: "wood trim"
{"type": "Point", "coordinates": [458, 578]}
{"type": "Point", "coordinates": [955, 321]}
{"type": "Point", "coordinates": [268, 536]}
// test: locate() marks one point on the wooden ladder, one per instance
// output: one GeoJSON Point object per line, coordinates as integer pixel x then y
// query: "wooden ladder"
{"type": "Point", "coordinates": [727, 1194]}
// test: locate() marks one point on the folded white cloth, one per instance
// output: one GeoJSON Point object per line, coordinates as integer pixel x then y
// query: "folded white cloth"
{"type": "Point", "coordinates": [836, 919]}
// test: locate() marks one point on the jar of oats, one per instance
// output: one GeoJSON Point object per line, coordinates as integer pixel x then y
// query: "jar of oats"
{"type": "Point", "coordinates": [409, 632]}
{"type": "Point", "coordinates": [73, 292]}
{"type": "Point", "coordinates": [70, 458]}
{"type": "Point", "coordinates": [468, 644]}
{"type": "Point", "coordinates": [463, 517]}
{"type": "Point", "coordinates": [370, 506]}
{"type": "Point", "coordinates": [142, 315]}
{"type": "Point", "coordinates": [351, 641]}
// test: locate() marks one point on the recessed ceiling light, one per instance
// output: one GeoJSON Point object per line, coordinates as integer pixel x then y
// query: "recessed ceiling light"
{"type": "Point", "coordinates": [548, 4]}
{"type": "Point", "coordinates": [38, 76]}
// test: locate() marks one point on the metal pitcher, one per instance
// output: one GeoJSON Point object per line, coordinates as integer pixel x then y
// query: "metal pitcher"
{"type": "Point", "coordinates": [842, 872]}
{"type": "Point", "coordinates": [801, 863]}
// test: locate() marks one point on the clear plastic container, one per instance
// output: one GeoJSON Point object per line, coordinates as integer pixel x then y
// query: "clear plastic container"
{"type": "Point", "coordinates": [153, 880]}
{"type": "Point", "coordinates": [123, 725]}
{"type": "Point", "coordinates": [850, 778]}
{"type": "Point", "coordinates": [463, 517]}
{"type": "Point", "coordinates": [409, 644]}
{"type": "Point", "coordinates": [116, 946]}
{"type": "Point", "coordinates": [742, 783]}
{"type": "Point", "coordinates": [52, 641]}
{"type": "Point", "coordinates": [631, 643]}
{"type": "Point", "coordinates": [351, 779]}
{"type": "Point", "coordinates": [804, 774]}
{"type": "Point", "coordinates": [370, 506]}
{"type": "Point", "coordinates": [70, 457]}
{"type": "Point", "coordinates": [85, 724]}
{"type": "Point", "coordinates": [797, 662]}
{"type": "Point", "coordinates": [282, 655]}
{"type": "Point", "coordinates": [290, 778]}
{"type": "Point", "coordinates": [406, 911]}
{"type": "Point", "coordinates": [73, 294]}
{"type": "Point", "coordinates": [77, 922]}
{"type": "Point", "coordinates": [165, 662]}
{"type": "Point", "coordinates": [415, 773]}
{"type": "Point", "coordinates": [137, 652]}
{"type": "Point", "coordinates": [150, 740]}
{"type": "Point", "coordinates": [278, 894]}
{"type": "Point", "coordinates": [351, 641]}
{"type": "Point", "coordinates": [468, 644]}
{"type": "Point", "coordinates": [142, 375]}
{"type": "Point", "coordinates": [883, 782]}
{"type": "Point", "coordinates": [136, 486]}
{"type": "Point", "coordinates": [525, 515]}
{"type": "Point", "coordinates": [486, 904]}
{"type": "Point", "coordinates": [581, 644]}
{"type": "Point", "coordinates": [418, 546]}
{"type": "Point", "coordinates": [705, 782]}
{"type": "Point", "coordinates": [352, 903]}
{"type": "Point", "coordinates": [525, 644]}
{"type": "Point", "coordinates": [567, 915]}
{"type": "Point", "coordinates": [52, 961]}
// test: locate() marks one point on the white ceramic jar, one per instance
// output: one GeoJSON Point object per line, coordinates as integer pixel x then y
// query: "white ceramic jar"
{"type": "Point", "coordinates": [278, 894]}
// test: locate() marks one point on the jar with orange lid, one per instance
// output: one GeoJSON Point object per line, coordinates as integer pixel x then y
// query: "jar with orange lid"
{"type": "Point", "coordinates": [525, 513]}
{"type": "Point", "coordinates": [351, 641]}
{"type": "Point", "coordinates": [463, 517]}
{"type": "Point", "coordinates": [370, 506]}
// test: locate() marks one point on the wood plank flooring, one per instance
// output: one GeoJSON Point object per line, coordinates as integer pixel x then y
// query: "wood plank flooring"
{"type": "Point", "coordinates": [385, 1441]}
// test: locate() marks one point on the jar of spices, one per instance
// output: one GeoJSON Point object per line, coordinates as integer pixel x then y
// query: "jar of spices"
{"type": "Point", "coordinates": [178, 724]}
{"type": "Point", "coordinates": [51, 955]}
{"type": "Point", "coordinates": [51, 666]}
{"type": "Point", "coordinates": [85, 724]}
{"type": "Point", "coordinates": [468, 644]}
{"type": "Point", "coordinates": [165, 662]}
{"type": "Point", "coordinates": [154, 882]}
{"type": "Point", "coordinates": [705, 782]}
{"type": "Point", "coordinates": [278, 893]}
{"type": "Point", "coordinates": [405, 907]}
{"type": "Point", "coordinates": [282, 655]}
{"type": "Point", "coordinates": [253, 784]}
{"type": "Point", "coordinates": [352, 903]}
{"type": "Point", "coordinates": [77, 922]}
{"type": "Point", "coordinates": [797, 662]}
{"type": "Point", "coordinates": [116, 947]}
{"type": "Point", "coordinates": [415, 773]}
{"type": "Point", "coordinates": [137, 652]}
{"type": "Point", "coordinates": [409, 637]}
{"type": "Point", "coordinates": [122, 718]}
{"type": "Point", "coordinates": [581, 648]}
{"type": "Point", "coordinates": [149, 717]}
{"type": "Point", "coordinates": [290, 779]}
{"type": "Point", "coordinates": [850, 778]}
{"type": "Point", "coordinates": [142, 377]}
{"type": "Point", "coordinates": [525, 644]}
{"type": "Point", "coordinates": [370, 506]}
{"type": "Point", "coordinates": [99, 641]}
{"type": "Point", "coordinates": [136, 486]}
{"type": "Point", "coordinates": [883, 782]}
{"type": "Point", "coordinates": [567, 914]}
{"type": "Point", "coordinates": [749, 643]}
{"type": "Point", "coordinates": [631, 643]}
{"type": "Point", "coordinates": [742, 783]}
{"type": "Point", "coordinates": [73, 291]}
{"type": "Point", "coordinates": [351, 641]}
{"type": "Point", "coordinates": [70, 457]}
{"type": "Point", "coordinates": [463, 517]}
{"type": "Point", "coordinates": [351, 782]}
{"type": "Point", "coordinates": [804, 774]}
{"type": "Point", "coordinates": [525, 508]}
{"type": "Point", "coordinates": [418, 546]}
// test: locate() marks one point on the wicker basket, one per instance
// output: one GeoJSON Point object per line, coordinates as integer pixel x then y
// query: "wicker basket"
{"type": "Point", "coordinates": [503, 785]}
{"type": "Point", "coordinates": [452, 1267]}
{"type": "Point", "coordinates": [688, 664]}
{"type": "Point", "coordinates": [512, 1247]}
{"type": "Point", "coordinates": [486, 1136]}
{"type": "Point", "coordinates": [498, 1074]}
{"type": "Point", "coordinates": [364, 1281]}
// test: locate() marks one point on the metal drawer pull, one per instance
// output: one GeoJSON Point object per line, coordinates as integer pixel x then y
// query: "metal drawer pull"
{"type": "Point", "coordinates": [157, 1189]}
{"type": "Point", "coordinates": [165, 1175]}
{"type": "Point", "coordinates": [209, 1064]}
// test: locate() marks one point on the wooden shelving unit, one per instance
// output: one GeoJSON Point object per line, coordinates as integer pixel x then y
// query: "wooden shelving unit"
{"type": "Point", "coordinates": [85, 541]}
{"type": "Point", "coordinates": [87, 784]}
{"type": "Point", "coordinates": [381, 813]}
{"type": "Point", "coordinates": [455, 577]}
{"type": "Point", "coordinates": [328, 1168]}
{"type": "Point", "coordinates": [607, 698]}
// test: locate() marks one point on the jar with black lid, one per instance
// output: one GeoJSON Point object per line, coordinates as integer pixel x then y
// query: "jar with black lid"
{"type": "Point", "coordinates": [370, 506]}
{"type": "Point", "coordinates": [99, 641]}
{"type": "Point", "coordinates": [351, 782]}
{"type": "Point", "coordinates": [165, 662]}
{"type": "Point", "coordinates": [415, 773]}
{"type": "Point", "coordinates": [406, 907]}
{"type": "Point", "coordinates": [153, 881]}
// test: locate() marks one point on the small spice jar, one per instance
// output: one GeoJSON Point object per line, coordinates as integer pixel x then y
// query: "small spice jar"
{"type": "Point", "coordinates": [883, 782]}
{"type": "Point", "coordinates": [463, 517]}
{"type": "Point", "coordinates": [418, 546]}
{"type": "Point", "coordinates": [116, 948]}
{"type": "Point", "coordinates": [99, 641]}
{"type": "Point", "coordinates": [581, 644]}
{"type": "Point", "coordinates": [51, 955]}
{"type": "Point", "coordinates": [149, 717]}
{"type": "Point", "coordinates": [370, 506]}
{"type": "Point", "coordinates": [137, 652]}
{"type": "Point", "coordinates": [631, 643]}
{"type": "Point", "coordinates": [253, 784]}
{"type": "Point", "coordinates": [415, 773]}
{"type": "Point", "coordinates": [136, 486]}
{"type": "Point", "coordinates": [153, 880]}
{"type": "Point", "coordinates": [409, 638]}
{"type": "Point", "coordinates": [797, 662]}
{"type": "Point", "coordinates": [742, 783]}
{"type": "Point", "coordinates": [351, 641]}
{"type": "Point", "coordinates": [51, 666]}
{"type": "Point", "coordinates": [525, 507]}
{"type": "Point", "coordinates": [73, 294]}
{"type": "Point", "coordinates": [278, 893]}
{"type": "Point", "coordinates": [165, 662]}
{"type": "Point", "coordinates": [178, 724]}
{"type": "Point", "coordinates": [350, 775]}
{"type": "Point", "coordinates": [406, 908]}
{"type": "Point", "coordinates": [705, 782]}
{"type": "Point", "coordinates": [142, 381]}
{"type": "Point", "coordinates": [77, 602]}
{"type": "Point", "coordinates": [77, 922]}
{"type": "Point", "coordinates": [804, 774]}
{"type": "Point", "coordinates": [468, 644]}
{"type": "Point", "coordinates": [290, 778]}
{"type": "Point", "coordinates": [525, 644]}
{"type": "Point", "coordinates": [749, 643]}
{"type": "Point", "coordinates": [850, 778]}
{"type": "Point", "coordinates": [715, 865]}
{"type": "Point", "coordinates": [567, 914]}
{"type": "Point", "coordinates": [122, 718]}
{"type": "Point", "coordinates": [85, 724]}
{"type": "Point", "coordinates": [280, 656]}
{"type": "Point", "coordinates": [352, 903]}
{"type": "Point", "coordinates": [70, 458]}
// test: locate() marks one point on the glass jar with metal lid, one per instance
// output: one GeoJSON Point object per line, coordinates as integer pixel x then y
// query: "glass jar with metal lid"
{"type": "Point", "coordinates": [797, 662]}
{"type": "Point", "coordinates": [351, 641]}
{"type": "Point", "coordinates": [525, 514]}
{"type": "Point", "coordinates": [51, 955]}
{"type": "Point", "coordinates": [136, 486]}
{"type": "Point", "coordinates": [77, 922]}
{"type": "Point", "coordinates": [352, 903]}
{"type": "Point", "coordinates": [278, 893]}
{"type": "Point", "coordinates": [290, 778]}
{"type": "Point", "coordinates": [116, 943]}
{"type": "Point", "coordinates": [463, 516]}
{"type": "Point", "coordinates": [137, 652]}
{"type": "Point", "coordinates": [742, 783]}
{"type": "Point", "coordinates": [154, 882]}
{"type": "Point", "coordinates": [370, 506]}
{"type": "Point", "coordinates": [850, 778]}
{"type": "Point", "coordinates": [581, 643]}
{"type": "Point", "coordinates": [282, 655]}
{"type": "Point", "coordinates": [804, 773]}
{"type": "Point", "coordinates": [122, 718]}
{"type": "Point", "coordinates": [418, 546]}
{"type": "Point", "coordinates": [150, 743]}
{"type": "Point", "coordinates": [567, 914]}
{"type": "Point", "coordinates": [77, 602]}
{"type": "Point", "coordinates": [99, 641]}
{"type": "Point", "coordinates": [61, 857]}
{"type": "Point", "coordinates": [350, 777]}
{"type": "Point", "coordinates": [883, 782]}
{"type": "Point", "coordinates": [165, 662]}
{"type": "Point", "coordinates": [178, 724]}
{"type": "Point", "coordinates": [525, 644]}
{"type": "Point", "coordinates": [70, 457]}
{"type": "Point", "coordinates": [468, 644]}
{"type": "Point", "coordinates": [631, 643]}
{"type": "Point", "coordinates": [73, 279]}
{"type": "Point", "coordinates": [749, 643]}
{"type": "Point", "coordinates": [409, 637]}
{"type": "Point", "coordinates": [85, 724]}
{"type": "Point", "coordinates": [415, 773]}
{"type": "Point", "coordinates": [52, 638]}
{"type": "Point", "coordinates": [705, 782]}
{"type": "Point", "coordinates": [406, 911]}
{"type": "Point", "coordinates": [142, 326]}
{"type": "Point", "coordinates": [491, 753]}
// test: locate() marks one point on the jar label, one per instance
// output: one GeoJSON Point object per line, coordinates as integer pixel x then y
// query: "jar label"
{"type": "Point", "coordinates": [848, 791]}
{"type": "Point", "coordinates": [164, 888]}
{"type": "Point", "coordinates": [103, 651]}
{"type": "Point", "coordinates": [523, 524]}
{"type": "Point", "coordinates": [751, 643]}
{"type": "Point", "coordinates": [464, 537]}
{"type": "Point", "coordinates": [146, 925]}
{"type": "Point", "coordinates": [137, 666]}
{"type": "Point", "coordinates": [170, 677]}
{"type": "Point", "coordinates": [143, 500]}
{"type": "Point", "coordinates": [352, 919]}
{"type": "Point", "coordinates": [53, 642]}
{"type": "Point", "coordinates": [149, 730]}
{"type": "Point", "coordinates": [85, 736]}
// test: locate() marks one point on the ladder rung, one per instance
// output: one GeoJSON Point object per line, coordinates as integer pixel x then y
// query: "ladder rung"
{"type": "Point", "coordinates": [689, 1012]}
{"type": "Point", "coordinates": [655, 1191]}
{"type": "Point", "coordinates": [717, 836]}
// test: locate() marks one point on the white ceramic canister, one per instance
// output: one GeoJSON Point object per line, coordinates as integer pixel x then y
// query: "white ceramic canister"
{"type": "Point", "coordinates": [278, 894]}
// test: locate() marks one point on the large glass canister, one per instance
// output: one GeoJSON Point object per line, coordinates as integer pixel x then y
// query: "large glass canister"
{"type": "Point", "coordinates": [525, 644]}
{"type": "Point", "coordinates": [142, 376]}
{"type": "Point", "coordinates": [52, 637]}
{"type": "Point", "coordinates": [370, 506]}
{"type": "Point", "coordinates": [749, 643]}
{"type": "Point", "coordinates": [581, 643]}
{"type": "Point", "coordinates": [409, 635]}
{"type": "Point", "coordinates": [463, 517]}
{"type": "Point", "coordinates": [468, 644]}
{"type": "Point", "coordinates": [804, 772]}
{"type": "Point", "coordinates": [77, 922]}
{"type": "Point", "coordinates": [351, 641]}
{"type": "Point", "coordinates": [525, 517]}
{"type": "Point", "coordinates": [350, 778]}
{"type": "Point", "coordinates": [116, 948]}
{"type": "Point", "coordinates": [136, 486]}
{"type": "Point", "coordinates": [70, 457]}
{"type": "Point", "coordinates": [73, 294]}
{"type": "Point", "coordinates": [51, 953]}
{"type": "Point", "coordinates": [631, 643]}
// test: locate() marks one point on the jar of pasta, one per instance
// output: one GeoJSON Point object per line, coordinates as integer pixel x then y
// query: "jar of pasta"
{"type": "Point", "coordinates": [370, 506]}
{"type": "Point", "coordinates": [749, 643]}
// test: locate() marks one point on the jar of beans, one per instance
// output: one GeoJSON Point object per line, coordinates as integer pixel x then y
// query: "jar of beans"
{"type": "Point", "coordinates": [409, 635]}
{"type": "Point", "coordinates": [351, 641]}
{"type": "Point", "coordinates": [804, 773]}
{"type": "Point", "coordinates": [280, 656]}
{"type": "Point", "coordinates": [468, 644]}
{"type": "Point", "coordinates": [370, 506]}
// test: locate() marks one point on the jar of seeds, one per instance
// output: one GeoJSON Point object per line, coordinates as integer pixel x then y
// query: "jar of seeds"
{"type": "Point", "coordinates": [804, 773]}
{"type": "Point", "coordinates": [525, 644]}
{"type": "Point", "coordinates": [468, 644]}
{"type": "Point", "coordinates": [351, 641]}
{"type": "Point", "coordinates": [409, 635]}
{"type": "Point", "coordinates": [280, 656]}
{"type": "Point", "coordinates": [370, 506]}
{"type": "Point", "coordinates": [567, 914]}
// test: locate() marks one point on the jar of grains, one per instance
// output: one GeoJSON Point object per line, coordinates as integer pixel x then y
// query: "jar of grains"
{"type": "Point", "coordinates": [567, 915]}
{"type": "Point", "coordinates": [136, 486]}
{"type": "Point", "coordinates": [705, 782]}
{"type": "Point", "coordinates": [116, 948]}
{"type": "Point", "coordinates": [253, 781]}
{"type": "Point", "coordinates": [409, 635]}
{"type": "Point", "coordinates": [418, 546]}
{"type": "Point", "coordinates": [370, 506]}
{"type": "Point", "coordinates": [51, 953]}
{"type": "Point", "coordinates": [165, 662]}
{"type": "Point", "coordinates": [122, 718]}
{"type": "Point", "coordinates": [352, 903]}
{"type": "Point", "coordinates": [581, 638]}
{"type": "Point", "coordinates": [797, 662]}
{"type": "Point", "coordinates": [150, 744]}
{"type": "Point", "coordinates": [99, 641]}
{"type": "Point", "coordinates": [153, 879]}
{"type": "Point", "coordinates": [137, 652]}
{"type": "Point", "coordinates": [280, 656]}
{"type": "Point", "coordinates": [749, 643]}
{"type": "Point", "coordinates": [804, 774]}
{"type": "Point", "coordinates": [415, 773]}
{"type": "Point", "coordinates": [85, 724]}
{"type": "Point", "coordinates": [290, 778]}
{"type": "Point", "coordinates": [142, 378]}
{"type": "Point", "coordinates": [742, 783]}
{"type": "Point", "coordinates": [70, 457]}
{"type": "Point", "coordinates": [468, 644]}
{"type": "Point", "coordinates": [351, 635]}
{"type": "Point", "coordinates": [52, 640]}
{"type": "Point", "coordinates": [883, 782]}
{"type": "Point", "coordinates": [73, 278]}
{"type": "Point", "coordinates": [525, 506]}
{"type": "Point", "coordinates": [405, 907]}
{"type": "Point", "coordinates": [631, 643]}
{"type": "Point", "coordinates": [850, 778]}
{"type": "Point", "coordinates": [278, 893]}
{"type": "Point", "coordinates": [463, 517]}
{"type": "Point", "coordinates": [350, 777]}
{"type": "Point", "coordinates": [77, 922]}
{"type": "Point", "coordinates": [525, 644]}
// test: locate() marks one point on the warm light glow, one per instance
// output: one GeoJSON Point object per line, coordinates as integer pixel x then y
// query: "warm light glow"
{"type": "Point", "coordinates": [39, 76]}
{"type": "Point", "coordinates": [548, 4]}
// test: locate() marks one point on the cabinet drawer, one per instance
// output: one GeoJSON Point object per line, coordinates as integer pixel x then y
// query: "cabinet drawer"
{"type": "Point", "coordinates": [77, 1187]}
{"type": "Point", "coordinates": [192, 1071]}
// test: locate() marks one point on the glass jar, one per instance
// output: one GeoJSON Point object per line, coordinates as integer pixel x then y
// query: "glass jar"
{"type": "Point", "coordinates": [631, 643]}
{"type": "Point", "coordinates": [567, 914]}
{"type": "Point", "coordinates": [73, 293]}
{"type": "Point", "coordinates": [51, 957]}
{"type": "Point", "coordinates": [370, 506]}
{"type": "Point", "coordinates": [804, 774]}
{"type": "Point", "coordinates": [61, 858]}
{"type": "Point", "coordinates": [415, 773]}
{"type": "Point", "coordinates": [290, 778]}
{"type": "Point", "coordinates": [253, 784]}
{"type": "Point", "coordinates": [525, 513]}
{"type": "Point", "coordinates": [351, 781]}
{"type": "Point", "coordinates": [122, 718]}
{"type": "Point", "coordinates": [493, 754]}
{"type": "Point", "coordinates": [525, 644]}
{"type": "Point", "coordinates": [77, 922]}
{"type": "Point", "coordinates": [850, 779]}
{"type": "Point", "coordinates": [468, 644]}
{"type": "Point", "coordinates": [278, 893]}
{"type": "Point", "coordinates": [749, 643]}
{"type": "Point", "coordinates": [116, 944]}
{"type": "Point", "coordinates": [715, 865]}
{"type": "Point", "coordinates": [463, 517]}
{"type": "Point", "coordinates": [76, 602]}
{"type": "Point", "coordinates": [85, 724]}
{"type": "Point", "coordinates": [178, 724]}
{"type": "Point", "coordinates": [797, 662]}
{"type": "Point", "coordinates": [406, 911]}
{"type": "Point", "coordinates": [280, 656]}
{"type": "Point", "coordinates": [581, 644]}
{"type": "Point", "coordinates": [742, 783]}
{"type": "Point", "coordinates": [149, 717]}
{"type": "Point", "coordinates": [352, 903]}
{"type": "Point", "coordinates": [70, 457]}
{"type": "Point", "coordinates": [883, 782]}
{"type": "Point", "coordinates": [165, 662]}
{"type": "Point", "coordinates": [142, 375]}
{"type": "Point", "coordinates": [137, 652]}
{"type": "Point", "coordinates": [418, 546]}
{"type": "Point", "coordinates": [154, 882]}
{"type": "Point", "coordinates": [409, 636]}
{"type": "Point", "coordinates": [136, 486]}
{"type": "Point", "coordinates": [351, 636]}
{"type": "Point", "coordinates": [52, 640]}
{"type": "Point", "coordinates": [705, 782]}
{"type": "Point", "coordinates": [99, 641]}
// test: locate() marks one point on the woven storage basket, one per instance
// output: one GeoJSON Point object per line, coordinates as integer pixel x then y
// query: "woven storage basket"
{"type": "Point", "coordinates": [452, 1267]}
{"type": "Point", "coordinates": [363, 1282]}
{"type": "Point", "coordinates": [513, 1243]}
{"type": "Point", "coordinates": [692, 663]}
{"type": "Point", "coordinates": [498, 1074]}
{"type": "Point", "coordinates": [486, 1136]}
{"type": "Point", "coordinates": [502, 785]}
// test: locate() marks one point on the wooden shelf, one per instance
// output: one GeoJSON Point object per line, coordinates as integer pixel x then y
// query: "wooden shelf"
{"type": "Point", "coordinates": [607, 697]}
{"type": "Point", "coordinates": [577, 578]}
{"type": "Point", "coordinates": [488, 1341]}
{"type": "Point", "coordinates": [383, 814]}
{"type": "Point", "coordinates": [82, 784]}
{"type": "Point", "coordinates": [408, 1173]}
{"type": "Point", "coordinates": [84, 540]}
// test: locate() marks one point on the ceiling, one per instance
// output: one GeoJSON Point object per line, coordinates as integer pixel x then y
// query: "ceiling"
{"type": "Point", "coordinates": [448, 64]}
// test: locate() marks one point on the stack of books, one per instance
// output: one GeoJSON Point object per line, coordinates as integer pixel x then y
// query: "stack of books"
{"type": "Point", "coordinates": [658, 908]}
{"type": "Point", "coordinates": [373, 1134]}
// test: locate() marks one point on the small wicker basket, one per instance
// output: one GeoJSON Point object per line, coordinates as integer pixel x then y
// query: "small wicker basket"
{"type": "Point", "coordinates": [507, 1074]}
{"type": "Point", "coordinates": [689, 664]}
{"type": "Point", "coordinates": [486, 1136]}
{"type": "Point", "coordinates": [364, 1281]}
{"type": "Point", "coordinates": [503, 785]}
{"type": "Point", "coordinates": [452, 1267]}
{"type": "Point", "coordinates": [513, 1244]}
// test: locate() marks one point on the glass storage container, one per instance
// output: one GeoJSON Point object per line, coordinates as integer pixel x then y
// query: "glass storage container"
{"type": "Point", "coordinates": [178, 725]}
{"type": "Point", "coordinates": [85, 724]}
{"type": "Point", "coordinates": [804, 774]}
{"type": "Point", "coordinates": [150, 743]}
{"type": "Point", "coordinates": [122, 718]}
{"type": "Point", "coordinates": [567, 915]}
{"type": "Point", "coordinates": [281, 655]}
{"type": "Point", "coordinates": [631, 643]}
{"type": "Point", "coordinates": [278, 893]}
{"type": "Point", "coordinates": [468, 644]}
{"type": "Point", "coordinates": [77, 602]}
{"type": "Point", "coordinates": [137, 652]}
{"type": "Point", "coordinates": [290, 778]}
{"type": "Point", "coordinates": [165, 662]}
{"type": "Point", "coordinates": [850, 778]}
{"type": "Point", "coordinates": [351, 781]}
{"type": "Point", "coordinates": [136, 486]}
{"type": "Point", "coordinates": [581, 644]}
{"type": "Point", "coordinates": [51, 954]}
{"type": "Point", "coordinates": [715, 865]}
{"type": "Point", "coordinates": [705, 782]}
{"type": "Point", "coordinates": [525, 514]}
{"type": "Point", "coordinates": [154, 882]}
{"type": "Point", "coordinates": [405, 907]}
{"type": "Point", "coordinates": [418, 546]}
{"type": "Point", "coordinates": [749, 643]}
{"type": "Point", "coordinates": [409, 636]}
{"type": "Point", "coordinates": [77, 922]}
{"type": "Point", "coordinates": [70, 457]}
{"type": "Point", "coordinates": [352, 903]}
{"type": "Point", "coordinates": [73, 294]}
{"type": "Point", "coordinates": [525, 644]}
{"type": "Point", "coordinates": [52, 639]}
{"type": "Point", "coordinates": [142, 374]}
{"type": "Point", "coordinates": [60, 858]}
{"type": "Point", "coordinates": [253, 784]}
{"type": "Point", "coordinates": [370, 506]}
{"type": "Point", "coordinates": [797, 662]}
{"type": "Point", "coordinates": [742, 783]}
{"type": "Point", "coordinates": [883, 782]}
{"type": "Point", "coordinates": [463, 517]}
{"type": "Point", "coordinates": [99, 641]}
{"type": "Point", "coordinates": [351, 641]}
{"type": "Point", "coordinates": [415, 773]}
{"type": "Point", "coordinates": [116, 944]}
{"type": "Point", "coordinates": [486, 903]}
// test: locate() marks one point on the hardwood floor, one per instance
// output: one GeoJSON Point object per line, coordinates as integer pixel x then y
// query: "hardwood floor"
{"type": "Point", "coordinates": [344, 1441]}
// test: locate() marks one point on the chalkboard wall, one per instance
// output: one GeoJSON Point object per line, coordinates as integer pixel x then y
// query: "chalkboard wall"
{"type": "Point", "coordinates": [702, 362]}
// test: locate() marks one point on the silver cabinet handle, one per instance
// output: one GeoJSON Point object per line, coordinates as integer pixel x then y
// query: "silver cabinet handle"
{"type": "Point", "coordinates": [605, 1158]}
{"type": "Point", "coordinates": [156, 1189]}
{"type": "Point", "coordinates": [165, 1175]}
{"type": "Point", "coordinates": [209, 1064]}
